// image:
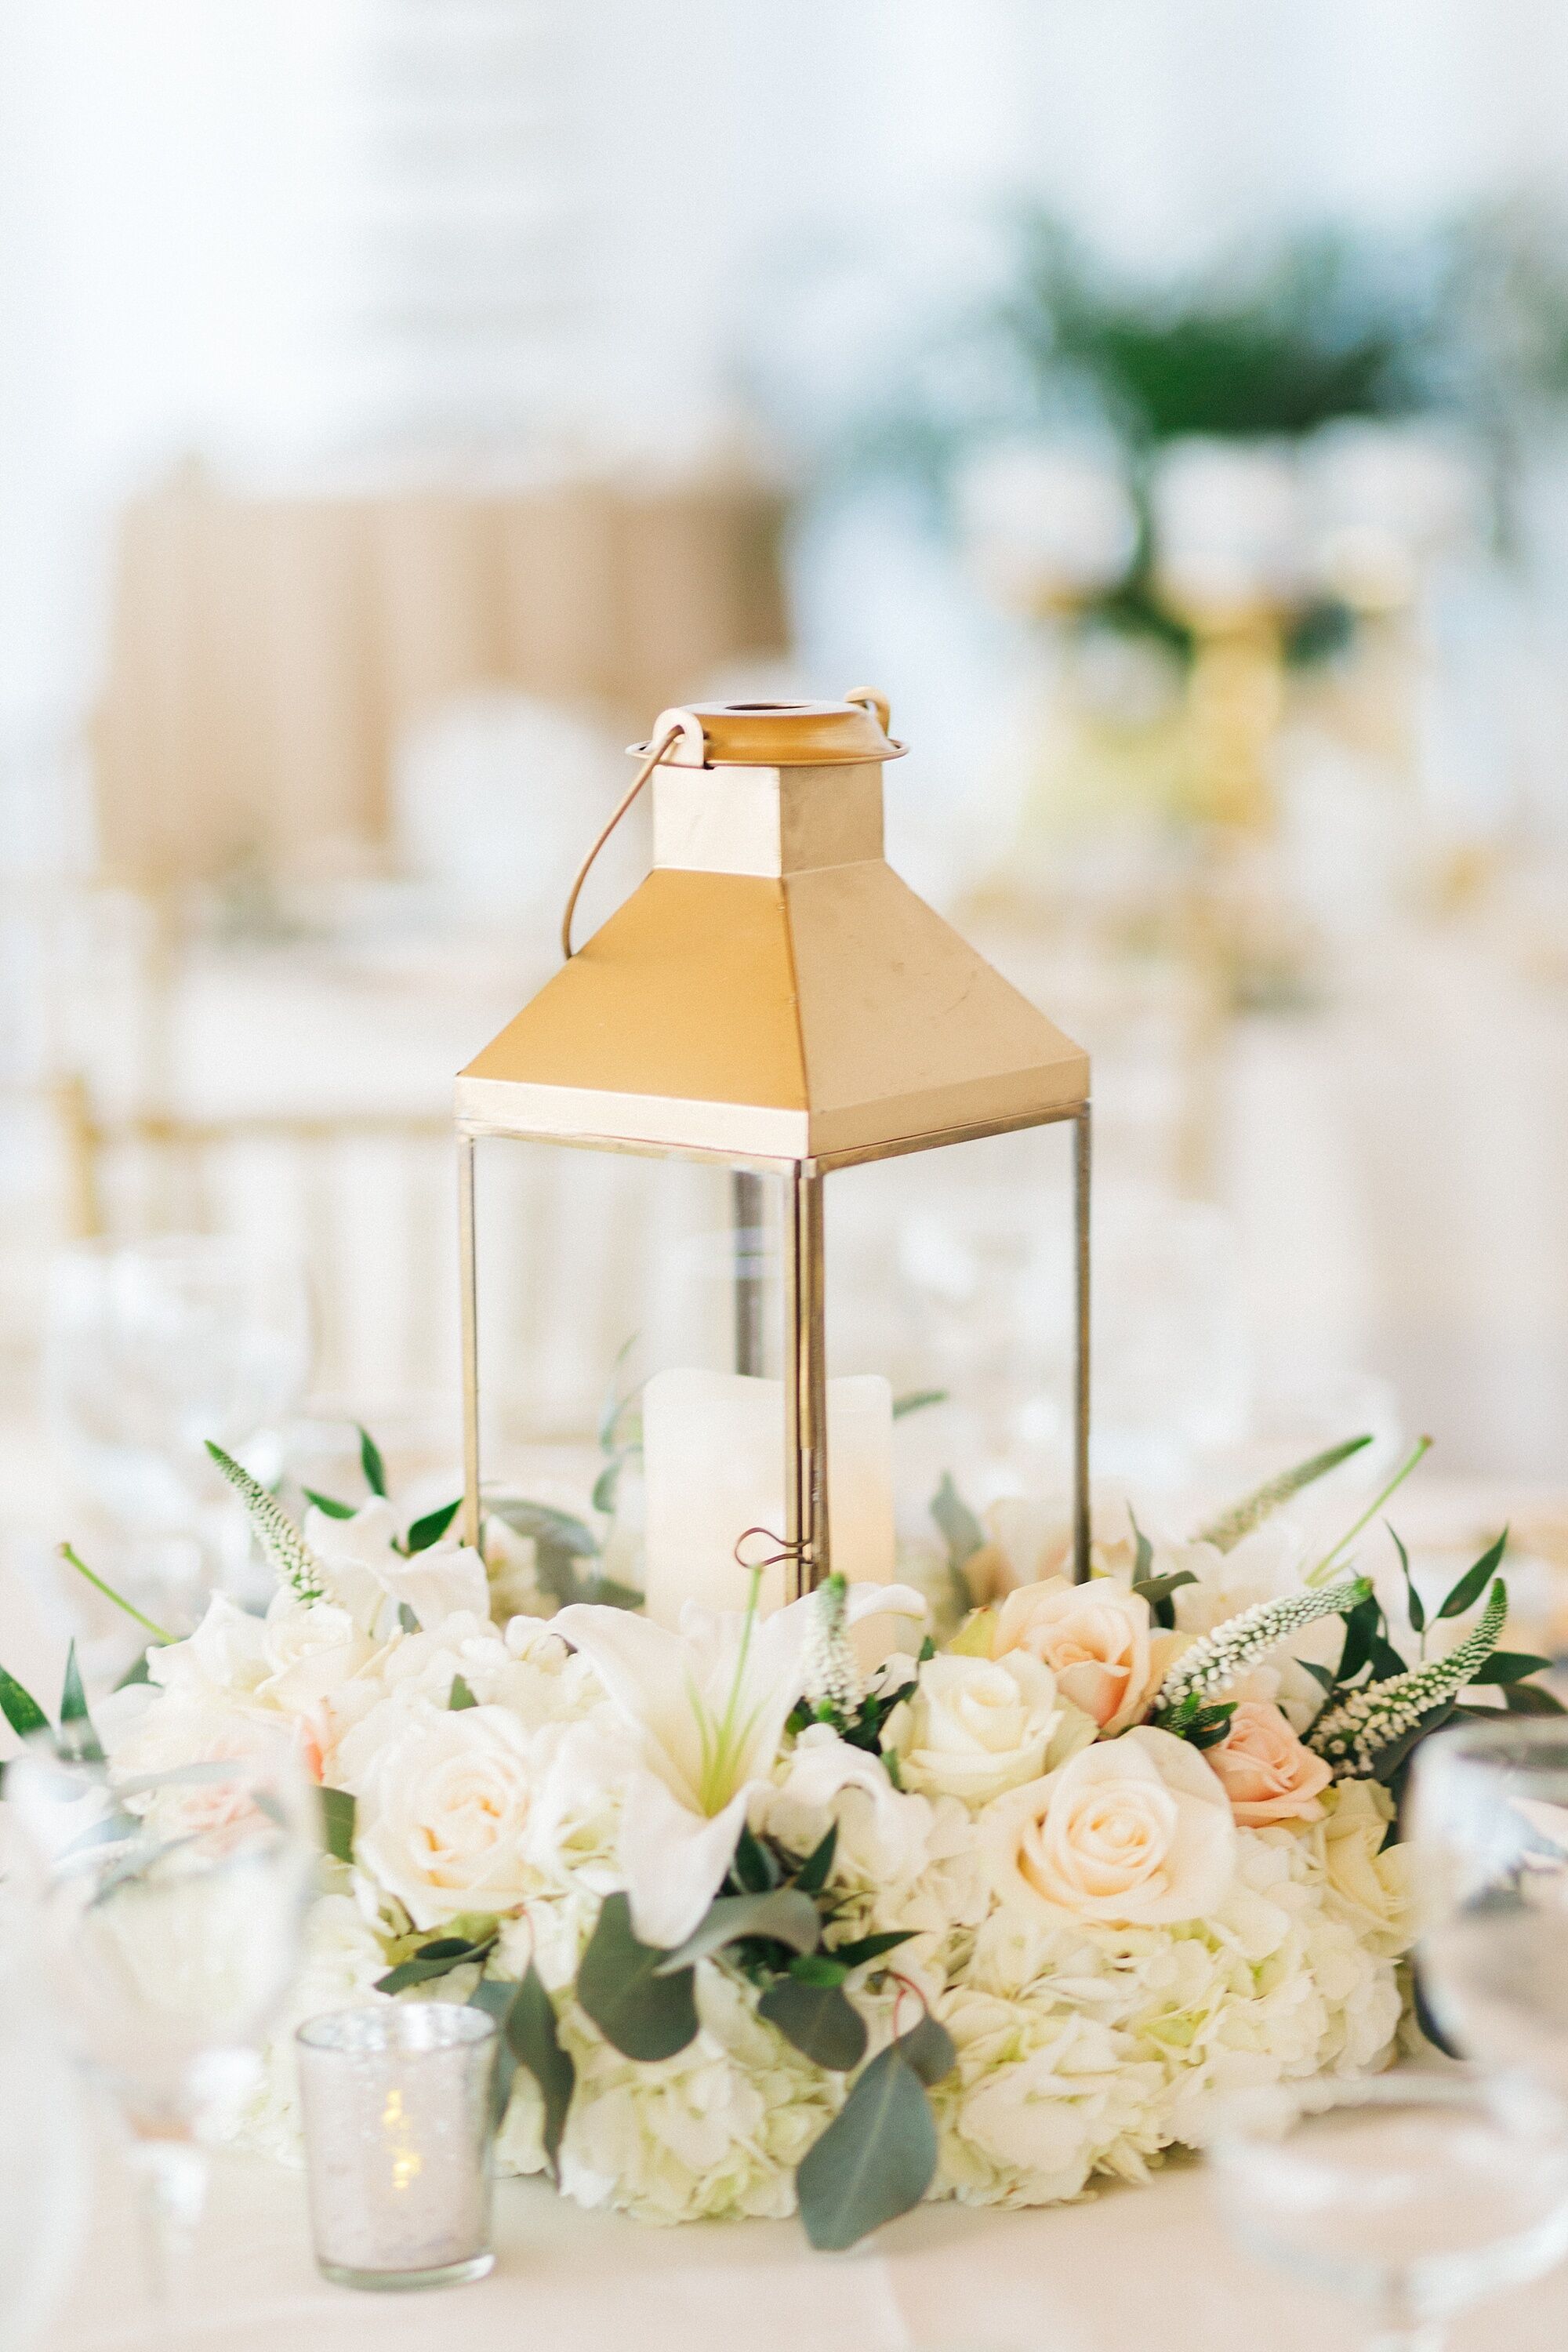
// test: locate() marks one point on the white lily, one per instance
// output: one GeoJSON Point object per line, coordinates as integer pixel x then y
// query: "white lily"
{"type": "Point", "coordinates": [372, 1578]}
{"type": "Point", "coordinates": [708, 1706]}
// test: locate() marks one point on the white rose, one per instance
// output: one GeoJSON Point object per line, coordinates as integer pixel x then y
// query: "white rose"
{"type": "Point", "coordinates": [1137, 1830]}
{"type": "Point", "coordinates": [442, 1809]}
{"type": "Point", "coordinates": [373, 1580]}
{"type": "Point", "coordinates": [227, 1651]}
{"type": "Point", "coordinates": [975, 1726]}
{"type": "Point", "coordinates": [883, 1837]}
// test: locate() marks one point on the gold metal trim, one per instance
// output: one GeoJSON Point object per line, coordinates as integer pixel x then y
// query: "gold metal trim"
{"type": "Point", "coordinates": [779, 734]}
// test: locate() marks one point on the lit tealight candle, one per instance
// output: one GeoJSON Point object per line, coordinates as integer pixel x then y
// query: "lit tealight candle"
{"type": "Point", "coordinates": [713, 1466]}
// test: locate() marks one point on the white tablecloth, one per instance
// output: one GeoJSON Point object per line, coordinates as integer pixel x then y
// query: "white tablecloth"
{"type": "Point", "coordinates": [1121, 2271]}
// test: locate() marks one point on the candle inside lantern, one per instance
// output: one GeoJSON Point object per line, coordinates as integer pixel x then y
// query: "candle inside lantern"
{"type": "Point", "coordinates": [713, 1466]}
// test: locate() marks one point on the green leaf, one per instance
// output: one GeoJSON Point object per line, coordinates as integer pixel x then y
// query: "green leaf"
{"type": "Point", "coordinates": [607, 1484]}
{"type": "Point", "coordinates": [876, 2160]}
{"type": "Point", "coordinates": [495, 1996]}
{"type": "Point", "coordinates": [338, 1823]}
{"type": "Point", "coordinates": [459, 1696]}
{"type": "Point", "coordinates": [432, 1526]}
{"type": "Point", "coordinates": [818, 1969]}
{"type": "Point", "coordinates": [407, 1618]}
{"type": "Point", "coordinates": [1531, 1699]}
{"type": "Point", "coordinates": [559, 1541]}
{"type": "Point", "coordinates": [1209, 1726]}
{"type": "Point", "coordinates": [1510, 1666]}
{"type": "Point", "coordinates": [960, 1529]}
{"type": "Point", "coordinates": [1157, 1591]}
{"type": "Point", "coordinates": [754, 1865]}
{"type": "Point", "coordinates": [371, 1463]}
{"type": "Point", "coordinates": [534, 2038]}
{"type": "Point", "coordinates": [1226, 1532]}
{"type": "Point", "coordinates": [1474, 1581]}
{"type": "Point", "coordinates": [916, 1400]}
{"type": "Point", "coordinates": [78, 1737]}
{"type": "Point", "coordinates": [20, 1708]}
{"type": "Point", "coordinates": [818, 2018]}
{"type": "Point", "coordinates": [434, 1959]}
{"type": "Point", "coordinates": [785, 1914]}
{"type": "Point", "coordinates": [928, 2048]}
{"type": "Point", "coordinates": [1392, 1758]}
{"type": "Point", "coordinates": [871, 1947]}
{"type": "Point", "coordinates": [139, 1670]}
{"type": "Point", "coordinates": [1322, 1675]}
{"type": "Point", "coordinates": [604, 1593]}
{"type": "Point", "coordinates": [1415, 1608]}
{"type": "Point", "coordinates": [1144, 1552]}
{"type": "Point", "coordinates": [816, 1869]}
{"type": "Point", "coordinates": [643, 2014]}
{"type": "Point", "coordinates": [328, 1505]}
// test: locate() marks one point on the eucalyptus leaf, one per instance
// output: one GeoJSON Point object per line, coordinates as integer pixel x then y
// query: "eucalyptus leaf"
{"type": "Point", "coordinates": [534, 2038]}
{"type": "Point", "coordinates": [876, 2160]}
{"type": "Point", "coordinates": [20, 1708]}
{"type": "Point", "coordinates": [928, 2048]}
{"type": "Point", "coordinates": [495, 1996]}
{"type": "Point", "coordinates": [643, 2014]}
{"type": "Point", "coordinates": [960, 1529]}
{"type": "Point", "coordinates": [407, 1618]}
{"type": "Point", "coordinates": [817, 1868]}
{"type": "Point", "coordinates": [459, 1697]}
{"type": "Point", "coordinates": [1226, 1532]}
{"type": "Point", "coordinates": [819, 2019]}
{"type": "Point", "coordinates": [432, 1526]}
{"type": "Point", "coordinates": [916, 1400]}
{"type": "Point", "coordinates": [328, 1504]}
{"type": "Point", "coordinates": [785, 1914]}
{"type": "Point", "coordinates": [371, 1463]}
{"type": "Point", "coordinates": [78, 1737]}
{"type": "Point", "coordinates": [1474, 1581]}
{"type": "Point", "coordinates": [438, 1959]}
{"type": "Point", "coordinates": [338, 1823]}
{"type": "Point", "coordinates": [1157, 1590]}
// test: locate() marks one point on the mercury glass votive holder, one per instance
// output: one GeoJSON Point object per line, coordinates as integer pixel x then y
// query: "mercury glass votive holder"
{"type": "Point", "coordinates": [396, 2106]}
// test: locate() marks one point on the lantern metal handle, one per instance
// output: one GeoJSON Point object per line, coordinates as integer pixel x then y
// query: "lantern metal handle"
{"type": "Point", "coordinates": [870, 698]}
{"type": "Point", "coordinates": [683, 724]}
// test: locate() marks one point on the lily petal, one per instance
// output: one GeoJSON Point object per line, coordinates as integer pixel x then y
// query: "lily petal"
{"type": "Point", "coordinates": [673, 1859]}
{"type": "Point", "coordinates": [646, 1672]}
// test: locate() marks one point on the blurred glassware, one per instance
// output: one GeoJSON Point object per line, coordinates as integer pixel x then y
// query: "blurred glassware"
{"type": "Point", "coordinates": [1488, 1814]}
{"type": "Point", "coordinates": [1046, 523]}
{"type": "Point", "coordinates": [150, 1349]}
{"type": "Point", "coordinates": [43, 2159]}
{"type": "Point", "coordinates": [163, 1916]}
{"type": "Point", "coordinates": [1229, 527]}
{"type": "Point", "coordinates": [1415, 2194]}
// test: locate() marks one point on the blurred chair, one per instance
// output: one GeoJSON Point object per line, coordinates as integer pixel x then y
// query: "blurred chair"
{"type": "Point", "coordinates": [268, 654]}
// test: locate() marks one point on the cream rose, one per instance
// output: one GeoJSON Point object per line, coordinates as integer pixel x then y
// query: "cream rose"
{"type": "Point", "coordinates": [975, 1726]}
{"type": "Point", "coordinates": [1096, 1638]}
{"type": "Point", "coordinates": [442, 1809]}
{"type": "Point", "coordinates": [1265, 1770]}
{"type": "Point", "coordinates": [1135, 1831]}
{"type": "Point", "coordinates": [1374, 1881]}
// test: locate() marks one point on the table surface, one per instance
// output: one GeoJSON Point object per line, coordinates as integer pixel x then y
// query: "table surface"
{"type": "Point", "coordinates": [1123, 2269]}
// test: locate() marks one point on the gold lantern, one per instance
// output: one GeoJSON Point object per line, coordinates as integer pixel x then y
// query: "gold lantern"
{"type": "Point", "coordinates": [774, 999]}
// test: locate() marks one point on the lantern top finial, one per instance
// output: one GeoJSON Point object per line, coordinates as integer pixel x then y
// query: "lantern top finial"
{"type": "Point", "coordinates": [778, 734]}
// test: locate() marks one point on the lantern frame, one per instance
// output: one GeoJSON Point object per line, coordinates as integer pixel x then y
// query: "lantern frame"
{"type": "Point", "coordinates": [776, 738]}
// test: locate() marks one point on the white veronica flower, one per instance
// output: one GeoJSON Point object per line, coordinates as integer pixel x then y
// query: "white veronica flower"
{"type": "Point", "coordinates": [707, 1706]}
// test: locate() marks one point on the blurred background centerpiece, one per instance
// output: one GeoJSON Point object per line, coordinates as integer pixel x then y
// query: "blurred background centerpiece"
{"type": "Point", "coordinates": [402, 400]}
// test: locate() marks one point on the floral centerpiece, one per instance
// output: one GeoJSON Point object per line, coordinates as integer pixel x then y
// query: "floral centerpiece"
{"type": "Point", "coordinates": [764, 1927]}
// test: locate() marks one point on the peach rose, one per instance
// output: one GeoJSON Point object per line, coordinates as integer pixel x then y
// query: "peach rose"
{"type": "Point", "coordinates": [1135, 1831]}
{"type": "Point", "coordinates": [1097, 1641]}
{"type": "Point", "coordinates": [1265, 1770]}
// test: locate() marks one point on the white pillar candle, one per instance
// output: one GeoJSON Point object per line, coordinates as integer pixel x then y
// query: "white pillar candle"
{"type": "Point", "coordinates": [713, 1466]}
